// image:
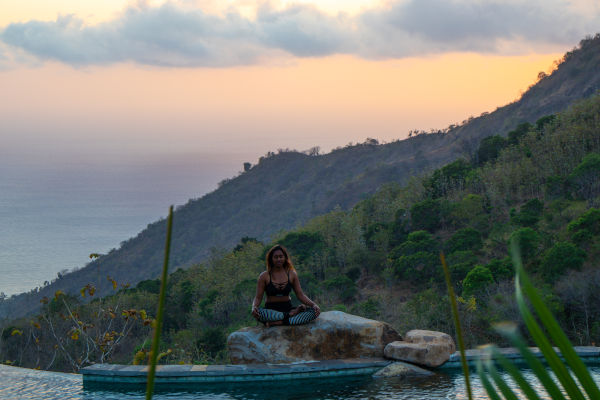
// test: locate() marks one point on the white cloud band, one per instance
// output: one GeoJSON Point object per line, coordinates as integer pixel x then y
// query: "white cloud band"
{"type": "Point", "coordinates": [170, 35]}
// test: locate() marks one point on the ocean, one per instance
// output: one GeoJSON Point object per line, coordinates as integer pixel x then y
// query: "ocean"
{"type": "Point", "coordinates": [54, 214]}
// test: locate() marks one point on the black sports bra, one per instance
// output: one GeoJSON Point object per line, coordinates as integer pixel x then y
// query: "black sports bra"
{"type": "Point", "coordinates": [278, 289]}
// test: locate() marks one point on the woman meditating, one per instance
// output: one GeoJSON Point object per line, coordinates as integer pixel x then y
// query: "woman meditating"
{"type": "Point", "coordinates": [277, 282]}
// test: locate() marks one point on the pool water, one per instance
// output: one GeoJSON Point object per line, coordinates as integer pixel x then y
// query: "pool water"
{"type": "Point", "coordinates": [24, 383]}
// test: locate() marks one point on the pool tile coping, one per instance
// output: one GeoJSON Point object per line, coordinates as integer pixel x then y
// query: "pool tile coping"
{"type": "Point", "coordinates": [189, 370]}
{"type": "Point", "coordinates": [587, 353]}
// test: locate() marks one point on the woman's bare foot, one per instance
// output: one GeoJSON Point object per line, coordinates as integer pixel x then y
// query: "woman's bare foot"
{"type": "Point", "coordinates": [298, 310]}
{"type": "Point", "coordinates": [269, 324]}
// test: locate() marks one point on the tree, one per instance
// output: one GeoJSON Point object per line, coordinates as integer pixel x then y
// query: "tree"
{"type": "Point", "coordinates": [476, 280]}
{"type": "Point", "coordinates": [541, 123]}
{"type": "Point", "coordinates": [419, 267]}
{"type": "Point", "coordinates": [529, 214]}
{"type": "Point", "coordinates": [464, 239]}
{"type": "Point", "coordinates": [521, 130]}
{"type": "Point", "coordinates": [415, 242]}
{"type": "Point", "coordinates": [450, 177]}
{"type": "Point", "coordinates": [426, 215]}
{"type": "Point", "coordinates": [559, 258]}
{"type": "Point", "coordinates": [585, 178]}
{"type": "Point", "coordinates": [528, 241]}
{"type": "Point", "coordinates": [460, 263]}
{"type": "Point", "coordinates": [586, 226]}
{"type": "Point", "coordinates": [303, 245]}
{"type": "Point", "coordinates": [501, 269]}
{"type": "Point", "coordinates": [490, 148]}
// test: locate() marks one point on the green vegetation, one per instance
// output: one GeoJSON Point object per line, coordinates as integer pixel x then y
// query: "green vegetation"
{"type": "Point", "coordinates": [287, 188]}
{"type": "Point", "coordinates": [377, 260]}
{"type": "Point", "coordinates": [571, 377]}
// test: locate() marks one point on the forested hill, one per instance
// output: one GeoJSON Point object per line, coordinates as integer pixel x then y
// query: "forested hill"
{"type": "Point", "coordinates": [577, 77]}
{"type": "Point", "coordinates": [286, 189]}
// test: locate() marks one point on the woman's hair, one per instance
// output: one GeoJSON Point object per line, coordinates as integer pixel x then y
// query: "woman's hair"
{"type": "Point", "coordinates": [287, 264]}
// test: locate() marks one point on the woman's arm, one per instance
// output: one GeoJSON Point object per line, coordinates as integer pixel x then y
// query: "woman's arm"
{"type": "Point", "coordinates": [300, 294]}
{"type": "Point", "coordinates": [260, 290]}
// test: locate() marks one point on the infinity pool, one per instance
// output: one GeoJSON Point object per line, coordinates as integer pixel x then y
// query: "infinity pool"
{"type": "Point", "coordinates": [24, 383]}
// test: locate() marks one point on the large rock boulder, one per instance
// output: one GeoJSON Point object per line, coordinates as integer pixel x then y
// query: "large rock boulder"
{"type": "Point", "coordinates": [426, 348]}
{"type": "Point", "coordinates": [333, 335]}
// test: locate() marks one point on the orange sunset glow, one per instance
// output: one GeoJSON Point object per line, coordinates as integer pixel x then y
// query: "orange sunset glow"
{"type": "Point", "coordinates": [291, 90]}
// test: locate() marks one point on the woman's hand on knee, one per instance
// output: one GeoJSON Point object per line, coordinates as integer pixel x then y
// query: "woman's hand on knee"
{"type": "Point", "coordinates": [255, 312]}
{"type": "Point", "coordinates": [317, 310]}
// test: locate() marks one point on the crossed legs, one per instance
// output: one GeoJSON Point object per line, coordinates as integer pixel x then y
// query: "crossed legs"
{"type": "Point", "coordinates": [297, 316]}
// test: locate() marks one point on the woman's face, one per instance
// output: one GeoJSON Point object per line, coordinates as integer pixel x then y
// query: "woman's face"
{"type": "Point", "coordinates": [278, 258]}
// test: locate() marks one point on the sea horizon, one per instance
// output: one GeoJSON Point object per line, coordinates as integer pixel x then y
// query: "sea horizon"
{"type": "Point", "coordinates": [55, 214]}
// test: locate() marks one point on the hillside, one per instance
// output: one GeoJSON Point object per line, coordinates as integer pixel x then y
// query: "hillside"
{"type": "Point", "coordinates": [379, 259]}
{"type": "Point", "coordinates": [577, 77]}
{"type": "Point", "coordinates": [285, 190]}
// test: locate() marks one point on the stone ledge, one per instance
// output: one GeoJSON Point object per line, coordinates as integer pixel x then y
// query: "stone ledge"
{"type": "Point", "coordinates": [587, 353]}
{"type": "Point", "coordinates": [227, 373]}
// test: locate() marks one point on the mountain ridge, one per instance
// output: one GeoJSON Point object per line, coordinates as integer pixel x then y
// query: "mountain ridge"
{"type": "Point", "coordinates": [284, 190]}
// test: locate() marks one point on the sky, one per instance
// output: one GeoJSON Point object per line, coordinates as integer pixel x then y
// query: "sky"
{"type": "Point", "coordinates": [117, 80]}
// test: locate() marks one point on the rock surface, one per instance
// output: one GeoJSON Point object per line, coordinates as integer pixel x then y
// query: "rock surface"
{"type": "Point", "coordinates": [423, 336]}
{"type": "Point", "coordinates": [401, 369]}
{"type": "Point", "coordinates": [333, 335]}
{"type": "Point", "coordinates": [426, 348]}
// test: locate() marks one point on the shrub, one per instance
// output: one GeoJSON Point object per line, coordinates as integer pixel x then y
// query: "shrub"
{"type": "Point", "coordinates": [450, 177]}
{"type": "Point", "coordinates": [529, 214]}
{"type": "Point", "coordinates": [419, 267]}
{"type": "Point", "coordinates": [400, 227]}
{"type": "Point", "coordinates": [501, 269]}
{"type": "Point", "coordinates": [415, 242]}
{"type": "Point", "coordinates": [489, 148]}
{"type": "Point", "coordinates": [245, 240]}
{"type": "Point", "coordinates": [554, 187]}
{"type": "Point", "coordinates": [339, 307]}
{"type": "Point", "coordinates": [367, 309]}
{"type": "Point", "coordinates": [521, 130]}
{"type": "Point", "coordinates": [559, 258]}
{"type": "Point", "coordinates": [476, 280]}
{"type": "Point", "coordinates": [464, 239]}
{"type": "Point", "coordinates": [426, 215]}
{"type": "Point", "coordinates": [374, 234]}
{"type": "Point", "coordinates": [353, 273]}
{"type": "Point", "coordinates": [471, 211]}
{"type": "Point", "coordinates": [344, 286]}
{"type": "Point", "coordinates": [460, 263]}
{"type": "Point", "coordinates": [541, 123]}
{"type": "Point", "coordinates": [585, 178]}
{"type": "Point", "coordinates": [212, 340]}
{"type": "Point", "coordinates": [589, 221]}
{"type": "Point", "coordinates": [150, 286]}
{"type": "Point", "coordinates": [303, 245]}
{"type": "Point", "coordinates": [528, 241]}
{"type": "Point", "coordinates": [206, 305]}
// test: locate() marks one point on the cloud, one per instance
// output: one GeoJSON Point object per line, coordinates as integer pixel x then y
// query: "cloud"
{"type": "Point", "coordinates": [177, 36]}
{"type": "Point", "coordinates": [165, 36]}
{"type": "Point", "coordinates": [432, 26]}
{"type": "Point", "coordinates": [304, 31]}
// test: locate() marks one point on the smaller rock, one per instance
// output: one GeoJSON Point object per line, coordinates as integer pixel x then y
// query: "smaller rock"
{"type": "Point", "coordinates": [423, 336]}
{"type": "Point", "coordinates": [426, 348]}
{"type": "Point", "coordinates": [401, 369]}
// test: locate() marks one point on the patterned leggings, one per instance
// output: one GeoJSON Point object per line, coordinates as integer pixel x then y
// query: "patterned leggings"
{"type": "Point", "coordinates": [269, 315]}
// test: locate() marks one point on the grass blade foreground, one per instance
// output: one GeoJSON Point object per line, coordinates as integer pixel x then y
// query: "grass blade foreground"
{"type": "Point", "coordinates": [159, 313]}
{"type": "Point", "coordinates": [459, 335]}
{"type": "Point", "coordinates": [544, 334]}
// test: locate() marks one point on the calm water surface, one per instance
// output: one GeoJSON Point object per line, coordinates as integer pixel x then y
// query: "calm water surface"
{"type": "Point", "coordinates": [21, 383]}
{"type": "Point", "coordinates": [54, 215]}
